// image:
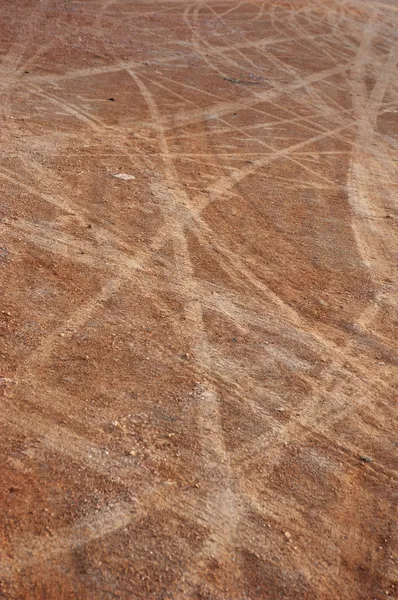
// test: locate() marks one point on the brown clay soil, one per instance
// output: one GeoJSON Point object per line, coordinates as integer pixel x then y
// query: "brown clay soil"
{"type": "Point", "coordinates": [198, 362]}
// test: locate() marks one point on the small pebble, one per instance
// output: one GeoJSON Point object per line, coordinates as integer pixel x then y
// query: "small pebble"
{"type": "Point", "coordinates": [124, 176]}
{"type": "Point", "coordinates": [366, 459]}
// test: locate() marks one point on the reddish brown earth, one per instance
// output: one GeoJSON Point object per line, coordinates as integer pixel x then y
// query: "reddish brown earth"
{"type": "Point", "coordinates": [199, 365]}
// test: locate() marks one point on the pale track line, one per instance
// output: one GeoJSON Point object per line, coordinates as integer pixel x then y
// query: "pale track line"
{"type": "Point", "coordinates": [125, 267]}
{"type": "Point", "coordinates": [225, 183]}
{"type": "Point", "coordinates": [262, 143]}
{"type": "Point", "coordinates": [55, 242]}
{"type": "Point", "coordinates": [221, 511]}
{"type": "Point", "coordinates": [309, 409]}
{"type": "Point", "coordinates": [371, 235]}
{"type": "Point", "coordinates": [297, 27]}
{"type": "Point", "coordinates": [273, 443]}
{"type": "Point", "coordinates": [224, 108]}
{"type": "Point", "coordinates": [294, 72]}
{"type": "Point", "coordinates": [175, 214]}
{"type": "Point", "coordinates": [229, 124]}
{"type": "Point", "coordinates": [313, 338]}
{"type": "Point", "coordinates": [107, 239]}
{"type": "Point", "coordinates": [82, 73]}
{"type": "Point", "coordinates": [73, 322]}
{"type": "Point", "coordinates": [288, 513]}
{"type": "Point", "coordinates": [224, 504]}
{"type": "Point", "coordinates": [8, 66]}
{"type": "Point", "coordinates": [311, 126]}
{"type": "Point", "coordinates": [197, 40]}
{"type": "Point", "coordinates": [246, 311]}
{"type": "Point", "coordinates": [260, 11]}
{"type": "Point", "coordinates": [91, 71]}
{"type": "Point", "coordinates": [281, 64]}
{"type": "Point", "coordinates": [28, 551]}
{"type": "Point", "coordinates": [274, 154]}
{"type": "Point", "coordinates": [233, 47]}
{"type": "Point", "coordinates": [364, 318]}
{"type": "Point", "coordinates": [57, 438]}
{"type": "Point", "coordinates": [232, 9]}
{"type": "Point", "coordinates": [60, 440]}
{"type": "Point", "coordinates": [238, 269]}
{"type": "Point", "coordinates": [72, 109]}
{"type": "Point", "coordinates": [268, 55]}
{"type": "Point", "coordinates": [13, 178]}
{"type": "Point", "coordinates": [263, 42]}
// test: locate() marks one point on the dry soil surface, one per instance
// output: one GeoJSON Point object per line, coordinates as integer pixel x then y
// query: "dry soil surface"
{"type": "Point", "coordinates": [199, 358]}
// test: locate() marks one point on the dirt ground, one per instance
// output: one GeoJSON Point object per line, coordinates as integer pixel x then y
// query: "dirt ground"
{"type": "Point", "coordinates": [199, 359]}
